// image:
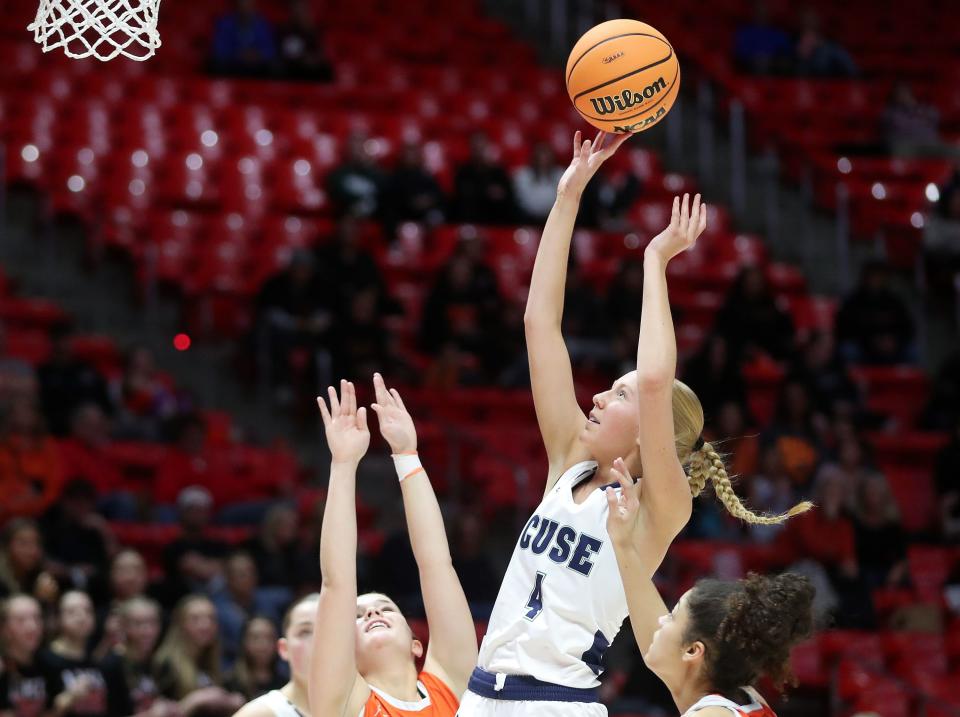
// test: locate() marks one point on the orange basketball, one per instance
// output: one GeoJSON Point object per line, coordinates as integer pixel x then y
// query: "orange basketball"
{"type": "Point", "coordinates": [623, 76]}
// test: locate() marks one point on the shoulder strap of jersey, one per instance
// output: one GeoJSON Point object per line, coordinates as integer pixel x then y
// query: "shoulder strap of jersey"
{"type": "Point", "coordinates": [576, 473]}
{"type": "Point", "coordinates": [715, 701]}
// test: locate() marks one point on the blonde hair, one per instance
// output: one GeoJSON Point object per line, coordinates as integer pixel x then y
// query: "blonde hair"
{"type": "Point", "coordinates": [703, 463]}
{"type": "Point", "coordinates": [175, 656]}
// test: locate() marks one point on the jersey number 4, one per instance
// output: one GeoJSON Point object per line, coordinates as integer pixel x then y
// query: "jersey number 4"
{"type": "Point", "coordinates": [535, 603]}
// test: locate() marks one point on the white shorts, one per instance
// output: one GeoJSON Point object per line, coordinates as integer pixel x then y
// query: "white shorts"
{"type": "Point", "coordinates": [473, 705]}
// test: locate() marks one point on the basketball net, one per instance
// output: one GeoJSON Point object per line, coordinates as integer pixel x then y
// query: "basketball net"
{"type": "Point", "coordinates": [98, 28]}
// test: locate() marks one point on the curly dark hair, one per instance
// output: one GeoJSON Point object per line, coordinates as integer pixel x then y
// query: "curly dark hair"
{"type": "Point", "coordinates": [748, 627]}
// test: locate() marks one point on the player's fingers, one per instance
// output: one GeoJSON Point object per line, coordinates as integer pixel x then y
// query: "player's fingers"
{"type": "Point", "coordinates": [694, 217]}
{"type": "Point", "coordinates": [618, 140]}
{"type": "Point", "coordinates": [675, 213]}
{"type": "Point", "coordinates": [362, 418]}
{"type": "Point", "coordinates": [576, 144]}
{"type": "Point", "coordinates": [334, 402]}
{"type": "Point", "coordinates": [685, 212]}
{"type": "Point", "coordinates": [612, 499]}
{"type": "Point", "coordinates": [598, 142]}
{"type": "Point", "coordinates": [324, 413]}
{"type": "Point", "coordinates": [703, 219]}
{"type": "Point", "coordinates": [348, 400]}
{"type": "Point", "coordinates": [380, 390]}
{"type": "Point", "coordinates": [623, 477]}
{"type": "Point", "coordinates": [396, 397]}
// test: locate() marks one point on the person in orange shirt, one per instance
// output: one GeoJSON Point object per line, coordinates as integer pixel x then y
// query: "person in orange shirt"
{"type": "Point", "coordinates": [31, 474]}
{"type": "Point", "coordinates": [364, 658]}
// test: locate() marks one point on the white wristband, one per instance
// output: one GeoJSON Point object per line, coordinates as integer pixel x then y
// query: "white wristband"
{"type": "Point", "coordinates": [407, 464]}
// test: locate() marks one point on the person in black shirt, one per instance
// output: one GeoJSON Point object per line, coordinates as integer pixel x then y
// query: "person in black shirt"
{"type": "Point", "coordinates": [27, 689]}
{"type": "Point", "coordinates": [78, 539]}
{"type": "Point", "coordinates": [412, 193]}
{"type": "Point", "coordinates": [66, 383]}
{"type": "Point", "coordinates": [947, 480]}
{"type": "Point", "coordinates": [256, 670]}
{"type": "Point", "coordinates": [881, 542]}
{"type": "Point", "coordinates": [193, 561]}
{"type": "Point", "coordinates": [356, 184]}
{"type": "Point", "coordinates": [131, 687]}
{"type": "Point", "coordinates": [301, 52]}
{"type": "Point", "coordinates": [187, 664]}
{"type": "Point", "coordinates": [69, 662]}
{"type": "Point", "coordinates": [750, 319]}
{"type": "Point", "coordinates": [874, 325]}
{"type": "Point", "coordinates": [483, 192]}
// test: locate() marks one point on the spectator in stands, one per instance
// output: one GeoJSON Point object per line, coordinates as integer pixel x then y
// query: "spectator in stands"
{"type": "Point", "coordinates": [483, 193]}
{"type": "Point", "coordinates": [623, 291]}
{"type": "Point", "coordinates": [881, 543]}
{"type": "Point", "coordinates": [874, 325]}
{"type": "Point", "coordinates": [912, 128]}
{"type": "Point", "coordinates": [796, 432]}
{"type": "Point", "coordinates": [26, 687]}
{"type": "Point", "coordinates": [23, 563]}
{"type": "Point", "coordinates": [68, 660]}
{"type": "Point", "coordinates": [716, 376]}
{"type": "Point", "coordinates": [356, 184]}
{"type": "Point", "coordinates": [464, 307]}
{"type": "Point", "coordinates": [818, 56]}
{"type": "Point", "coordinates": [535, 185]}
{"type": "Point", "coordinates": [241, 599]}
{"type": "Point", "coordinates": [584, 319]}
{"type": "Point", "coordinates": [79, 541]}
{"type": "Point", "coordinates": [126, 579]}
{"type": "Point", "coordinates": [472, 563]}
{"type": "Point", "coordinates": [276, 548]}
{"type": "Point", "coordinates": [772, 491]}
{"type": "Point", "coordinates": [943, 411]}
{"type": "Point", "coordinates": [143, 398]}
{"type": "Point", "coordinates": [349, 268]}
{"type": "Point", "coordinates": [827, 379]}
{"type": "Point", "coordinates": [941, 241]}
{"type": "Point", "coordinates": [827, 537]}
{"type": "Point", "coordinates": [608, 199]}
{"type": "Point", "coordinates": [244, 43]}
{"type": "Point", "coordinates": [257, 669]}
{"type": "Point", "coordinates": [194, 561]}
{"type": "Point", "coordinates": [31, 471]}
{"type": "Point", "coordinates": [761, 48]}
{"type": "Point", "coordinates": [751, 320]}
{"type": "Point", "coordinates": [85, 454]}
{"type": "Point", "coordinates": [295, 313]}
{"type": "Point", "coordinates": [129, 664]}
{"type": "Point", "coordinates": [947, 480]}
{"type": "Point", "coordinates": [301, 50]}
{"type": "Point", "coordinates": [730, 426]}
{"type": "Point", "coordinates": [411, 192]}
{"type": "Point", "coordinates": [186, 666]}
{"type": "Point", "coordinates": [17, 377]}
{"type": "Point", "coordinates": [67, 382]}
{"type": "Point", "coordinates": [361, 342]}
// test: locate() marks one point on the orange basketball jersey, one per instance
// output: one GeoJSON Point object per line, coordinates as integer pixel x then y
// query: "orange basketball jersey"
{"type": "Point", "coordinates": [436, 700]}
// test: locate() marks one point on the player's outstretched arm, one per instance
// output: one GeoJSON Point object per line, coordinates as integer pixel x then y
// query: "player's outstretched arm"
{"type": "Point", "coordinates": [452, 652]}
{"type": "Point", "coordinates": [335, 687]}
{"type": "Point", "coordinates": [643, 599]}
{"type": "Point", "coordinates": [551, 375]}
{"type": "Point", "coordinates": [666, 494]}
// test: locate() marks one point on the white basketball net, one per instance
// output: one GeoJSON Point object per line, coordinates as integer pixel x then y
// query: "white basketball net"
{"type": "Point", "coordinates": [98, 28]}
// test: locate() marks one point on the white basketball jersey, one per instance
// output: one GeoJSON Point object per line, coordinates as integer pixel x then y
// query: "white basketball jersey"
{"type": "Point", "coordinates": [277, 703]}
{"type": "Point", "coordinates": [562, 600]}
{"type": "Point", "coordinates": [756, 708]}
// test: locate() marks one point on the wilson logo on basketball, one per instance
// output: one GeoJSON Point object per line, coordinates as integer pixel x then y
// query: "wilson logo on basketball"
{"type": "Point", "coordinates": [626, 99]}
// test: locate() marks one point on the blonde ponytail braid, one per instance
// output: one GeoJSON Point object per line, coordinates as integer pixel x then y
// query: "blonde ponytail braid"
{"type": "Point", "coordinates": [706, 463]}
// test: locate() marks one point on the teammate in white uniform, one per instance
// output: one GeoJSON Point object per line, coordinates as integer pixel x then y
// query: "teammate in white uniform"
{"type": "Point", "coordinates": [295, 647]}
{"type": "Point", "coordinates": [721, 637]}
{"type": "Point", "coordinates": [562, 601]}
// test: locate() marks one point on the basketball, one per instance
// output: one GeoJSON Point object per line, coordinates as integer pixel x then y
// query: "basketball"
{"type": "Point", "coordinates": [623, 76]}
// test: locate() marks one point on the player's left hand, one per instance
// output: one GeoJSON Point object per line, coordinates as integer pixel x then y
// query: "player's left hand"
{"type": "Point", "coordinates": [686, 224]}
{"type": "Point", "coordinates": [624, 509]}
{"type": "Point", "coordinates": [396, 424]}
{"type": "Point", "coordinates": [346, 425]}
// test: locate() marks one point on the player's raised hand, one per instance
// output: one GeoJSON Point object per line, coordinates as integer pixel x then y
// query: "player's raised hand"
{"type": "Point", "coordinates": [345, 425]}
{"type": "Point", "coordinates": [587, 158]}
{"type": "Point", "coordinates": [686, 224]}
{"type": "Point", "coordinates": [624, 508]}
{"type": "Point", "coordinates": [396, 424]}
